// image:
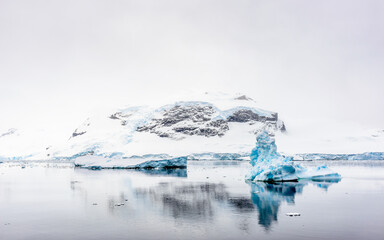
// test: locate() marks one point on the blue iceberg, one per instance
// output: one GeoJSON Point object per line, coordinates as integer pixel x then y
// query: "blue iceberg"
{"type": "Point", "coordinates": [270, 166]}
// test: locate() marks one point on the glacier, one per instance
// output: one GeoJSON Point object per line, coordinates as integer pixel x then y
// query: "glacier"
{"type": "Point", "coordinates": [270, 166]}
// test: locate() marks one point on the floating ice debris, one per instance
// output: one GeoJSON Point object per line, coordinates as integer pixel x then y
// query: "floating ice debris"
{"type": "Point", "coordinates": [293, 214]}
{"type": "Point", "coordinates": [94, 204]}
{"type": "Point", "coordinates": [270, 166]}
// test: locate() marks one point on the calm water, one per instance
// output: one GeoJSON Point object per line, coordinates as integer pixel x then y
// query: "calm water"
{"type": "Point", "coordinates": [209, 200]}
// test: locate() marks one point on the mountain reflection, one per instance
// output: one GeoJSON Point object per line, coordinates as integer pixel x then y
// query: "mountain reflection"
{"type": "Point", "coordinates": [171, 195]}
{"type": "Point", "coordinates": [202, 201]}
{"type": "Point", "coordinates": [186, 200]}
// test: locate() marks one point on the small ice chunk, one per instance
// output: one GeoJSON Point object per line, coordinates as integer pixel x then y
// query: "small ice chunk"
{"type": "Point", "coordinates": [293, 214]}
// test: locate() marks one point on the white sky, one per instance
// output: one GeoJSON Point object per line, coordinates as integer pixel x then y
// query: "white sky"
{"type": "Point", "coordinates": [303, 59]}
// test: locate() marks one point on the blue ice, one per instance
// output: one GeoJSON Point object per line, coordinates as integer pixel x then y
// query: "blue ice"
{"type": "Point", "coordinates": [270, 166]}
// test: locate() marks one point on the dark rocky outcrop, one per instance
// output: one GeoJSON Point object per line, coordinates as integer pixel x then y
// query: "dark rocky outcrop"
{"type": "Point", "coordinates": [9, 132]}
{"type": "Point", "coordinates": [197, 120]}
{"type": "Point", "coordinates": [243, 115]}
{"type": "Point", "coordinates": [120, 116]}
{"type": "Point", "coordinates": [243, 97]}
{"type": "Point", "coordinates": [75, 133]}
{"type": "Point", "coordinates": [187, 120]}
{"type": "Point", "coordinates": [81, 130]}
{"type": "Point", "coordinates": [195, 113]}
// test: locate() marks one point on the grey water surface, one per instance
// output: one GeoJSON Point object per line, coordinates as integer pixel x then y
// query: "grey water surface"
{"type": "Point", "coordinates": [208, 200]}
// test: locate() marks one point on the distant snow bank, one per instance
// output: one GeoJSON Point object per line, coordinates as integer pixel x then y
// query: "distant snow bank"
{"type": "Point", "coordinates": [324, 156]}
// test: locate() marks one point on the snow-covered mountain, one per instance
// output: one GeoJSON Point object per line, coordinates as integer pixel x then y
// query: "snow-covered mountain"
{"type": "Point", "coordinates": [206, 125]}
{"type": "Point", "coordinates": [226, 124]}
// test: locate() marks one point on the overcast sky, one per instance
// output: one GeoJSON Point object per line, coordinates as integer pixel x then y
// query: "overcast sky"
{"type": "Point", "coordinates": [304, 59]}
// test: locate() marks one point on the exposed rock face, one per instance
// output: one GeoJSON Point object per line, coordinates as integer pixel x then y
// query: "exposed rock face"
{"type": "Point", "coordinates": [120, 116]}
{"type": "Point", "coordinates": [81, 130]}
{"type": "Point", "coordinates": [243, 116]}
{"type": "Point", "coordinates": [243, 97]}
{"type": "Point", "coordinates": [9, 132]}
{"type": "Point", "coordinates": [199, 120]}
{"type": "Point", "coordinates": [194, 113]}
{"type": "Point", "coordinates": [186, 120]}
{"type": "Point", "coordinates": [75, 133]}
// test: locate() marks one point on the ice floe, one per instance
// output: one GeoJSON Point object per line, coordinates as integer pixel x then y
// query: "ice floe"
{"type": "Point", "coordinates": [98, 162]}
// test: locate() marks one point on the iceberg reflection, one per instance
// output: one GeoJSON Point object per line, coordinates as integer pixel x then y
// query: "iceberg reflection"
{"type": "Point", "coordinates": [169, 195]}
{"type": "Point", "coordinates": [269, 196]}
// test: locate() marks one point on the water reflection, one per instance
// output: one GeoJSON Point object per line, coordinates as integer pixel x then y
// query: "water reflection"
{"type": "Point", "coordinates": [269, 196]}
{"type": "Point", "coordinates": [186, 200]}
{"type": "Point", "coordinates": [173, 172]}
{"type": "Point", "coordinates": [199, 201]}
{"type": "Point", "coordinates": [241, 204]}
{"type": "Point", "coordinates": [324, 184]}
{"type": "Point", "coordinates": [127, 204]}
{"type": "Point", "coordinates": [130, 194]}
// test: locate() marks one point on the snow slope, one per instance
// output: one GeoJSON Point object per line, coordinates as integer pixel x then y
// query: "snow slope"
{"type": "Point", "coordinates": [195, 124]}
{"type": "Point", "coordinates": [178, 129]}
{"type": "Point", "coordinates": [199, 126]}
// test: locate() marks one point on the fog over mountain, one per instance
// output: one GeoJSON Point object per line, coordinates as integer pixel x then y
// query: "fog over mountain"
{"type": "Point", "coordinates": [319, 67]}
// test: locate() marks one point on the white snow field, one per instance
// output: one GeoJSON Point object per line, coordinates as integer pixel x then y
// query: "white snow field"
{"type": "Point", "coordinates": [206, 124]}
{"type": "Point", "coordinates": [202, 126]}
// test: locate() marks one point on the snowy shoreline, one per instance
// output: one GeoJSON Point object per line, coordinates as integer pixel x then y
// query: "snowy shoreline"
{"type": "Point", "coordinates": [217, 156]}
